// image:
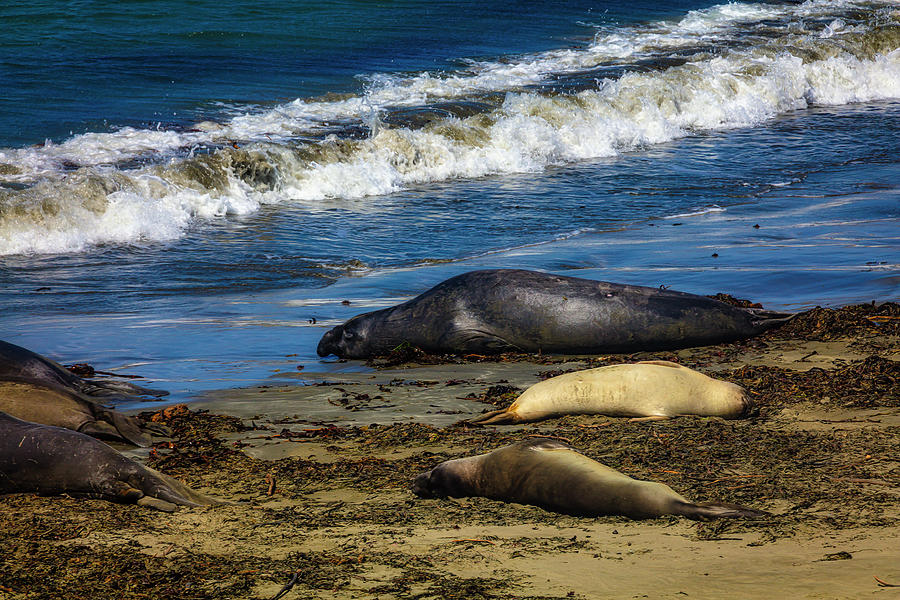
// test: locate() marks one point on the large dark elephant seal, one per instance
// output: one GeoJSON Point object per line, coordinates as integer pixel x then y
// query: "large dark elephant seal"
{"type": "Point", "coordinates": [554, 476]}
{"type": "Point", "coordinates": [61, 407]}
{"type": "Point", "coordinates": [652, 389]}
{"type": "Point", "coordinates": [20, 363]}
{"type": "Point", "coordinates": [52, 460]}
{"type": "Point", "coordinates": [512, 310]}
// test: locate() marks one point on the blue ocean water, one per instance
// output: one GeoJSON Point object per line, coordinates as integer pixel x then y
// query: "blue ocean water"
{"type": "Point", "coordinates": [192, 191]}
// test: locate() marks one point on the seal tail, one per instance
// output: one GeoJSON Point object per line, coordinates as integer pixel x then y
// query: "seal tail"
{"type": "Point", "coordinates": [720, 510]}
{"type": "Point", "coordinates": [495, 417]}
{"type": "Point", "coordinates": [171, 490]}
{"type": "Point", "coordinates": [156, 490]}
{"type": "Point", "coordinates": [128, 427]}
{"type": "Point", "coordinates": [763, 319]}
{"type": "Point", "coordinates": [122, 389]}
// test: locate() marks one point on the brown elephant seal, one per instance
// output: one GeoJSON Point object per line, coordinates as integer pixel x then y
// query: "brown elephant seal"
{"type": "Point", "coordinates": [61, 407]}
{"type": "Point", "coordinates": [655, 389]}
{"type": "Point", "coordinates": [51, 460]}
{"type": "Point", "coordinates": [20, 363]}
{"type": "Point", "coordinates": [504, 310]}
{"type": "Point", "coordinates": [553, 475]}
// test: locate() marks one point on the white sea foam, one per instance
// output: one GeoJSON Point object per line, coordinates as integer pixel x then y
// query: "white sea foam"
{"type": "Point", "coordinates": [530, 131]}
{"type": "Point", "coordinates": [106, 202]}
{"type": "Point", "coordinates": [301, 117]}
{"type": "Point", "coordinates": [69, 218]}
{"type": "Point", "coordinates": [705, 210]}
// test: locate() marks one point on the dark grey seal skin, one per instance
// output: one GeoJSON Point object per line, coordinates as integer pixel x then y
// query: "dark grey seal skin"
{"type": "Point", "coordinates": [553, 475]}
{"type": "Point", "coordinates": [49, 404]}
{"type": "Point", "coordinates": [51, 460]}
{"type": "Point", "coordinates": [505, 310]}
{"type": "Point", "coordinates": [20, 363]}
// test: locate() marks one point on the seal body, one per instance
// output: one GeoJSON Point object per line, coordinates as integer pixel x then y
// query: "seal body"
{"type": "Point", "coordinates": [17, 362]}
{"type": "Point", "coordinates": [553, 475]}
{"type": "Point", "coordinates": [504, 310]}
{"type": "Point", "coordinates": [51, 460]}
{"type": "Point", "coordinates": [646, 389]}
{"type": "Point", "coordinates": [61, 407]}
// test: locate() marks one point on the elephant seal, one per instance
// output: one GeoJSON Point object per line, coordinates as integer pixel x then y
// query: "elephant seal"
{"type": "Point", "coordinates": [51, 460]}
{"type": "Point", "coordinates": [556, 477]}
{"type": "Point", "coordinates": [492, 311]}
{"type": "Point", "coordinates": [654, 389]}
{"type": "Point", "coordinates": [21, 363]}
{"type": "Point", "coordinates": [54, 405]}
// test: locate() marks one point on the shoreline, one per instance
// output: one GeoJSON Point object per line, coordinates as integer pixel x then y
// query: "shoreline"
{"type": "Point", "coordinates": [325, 502]}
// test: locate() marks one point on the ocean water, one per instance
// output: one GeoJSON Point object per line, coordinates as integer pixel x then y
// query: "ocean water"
{"type": "Point", "coordinates": [195, 192]}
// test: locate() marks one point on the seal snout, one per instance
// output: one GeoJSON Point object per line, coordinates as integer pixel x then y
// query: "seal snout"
{"type": "Point", "coordinates": [421, 486]}
{"type": "Point", "coordinates": [326, 344]}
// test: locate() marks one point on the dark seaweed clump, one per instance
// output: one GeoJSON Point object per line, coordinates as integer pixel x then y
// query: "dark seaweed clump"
{"type": "Point", "coordinates": [830, 324]}
{"type": "Point", "coordinates": [500, 395]}
{"type": "Point", "coordinates": [195, 438]}
{"type": "Point", "coordinates": [406, 353]}
{"type": "Point", "coordinates": [872, 382]}
{"type": "Point", "coordinates": [739, 302]}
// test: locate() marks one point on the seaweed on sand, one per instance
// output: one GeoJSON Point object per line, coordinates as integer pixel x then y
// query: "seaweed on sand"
{"type": "Point", "coordinates": [872, 382]}
{"type": "Point", "coordinates": [829, 324]}
{"type": "Point", "coordinates": [195, 438]}
{"type": "Point", "coordinates": [356, 505]}
{"type": "Point", "coordinates": [500, 395]}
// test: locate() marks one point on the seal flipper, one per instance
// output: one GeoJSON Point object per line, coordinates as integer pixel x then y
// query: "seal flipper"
{"type": "Point", "coordinates": [101, 429]}
{"type": "Point", "coordinates": [117, 389]}
{"type": "Point", "coordinates": [718, 510]}
{"type": "Point", "coordinates": [763, 319]}
{"type": "Point", "coordinates": [124, 493]}
{"type": "Point", "coordinates": [156, 428]}
{"type": "Point", "coordinates": [478, 342]}
{"type": "Point", "coordinates": [495, 417]}
{"type": "Point", "coordinates": [112, 424]}
{"type": "Point", "coordinates": [156, 503]}
{"type": "Point", "coordinates": [127, 427]}
{"type": "Point", "coordinates": [161, 486]}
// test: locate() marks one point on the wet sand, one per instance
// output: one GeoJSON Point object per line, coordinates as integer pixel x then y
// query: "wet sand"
{"type": "Point", "coordinates": [319, 482]}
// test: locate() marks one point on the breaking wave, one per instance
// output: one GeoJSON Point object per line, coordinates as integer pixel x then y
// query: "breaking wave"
{"type": "Point", "coordinates": [729, 66]}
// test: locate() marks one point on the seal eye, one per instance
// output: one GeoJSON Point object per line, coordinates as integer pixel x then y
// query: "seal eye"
{"type": "Point", "coordinates": [349, 335]}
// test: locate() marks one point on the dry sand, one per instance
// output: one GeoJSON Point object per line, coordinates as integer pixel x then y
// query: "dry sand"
{"type": "Point", "coordinates": [321, 499]}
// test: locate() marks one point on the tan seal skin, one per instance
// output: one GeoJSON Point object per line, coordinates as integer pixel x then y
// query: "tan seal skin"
{"type": "Point", "coordinates": [553, 475]}
{"type": "Point", "coordinates": [648, 390]}
{"type": "Point", "coordinates": [61, 407]}
{"type": "Point", "coordinates": [51, 460]}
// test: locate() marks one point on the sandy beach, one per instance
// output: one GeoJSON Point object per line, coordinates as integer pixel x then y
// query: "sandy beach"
{"type": "Point", "coordinates": [193, 195]}
{"type": "Point", "coordinates": [322, 509]}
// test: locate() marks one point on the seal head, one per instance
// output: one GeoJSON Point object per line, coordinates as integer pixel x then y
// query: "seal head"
{"type": "Point", "coordinates": [353, 338]}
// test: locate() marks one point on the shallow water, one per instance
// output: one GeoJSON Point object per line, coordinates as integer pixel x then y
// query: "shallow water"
{"type": "Point", "coordinates": [629, 145]}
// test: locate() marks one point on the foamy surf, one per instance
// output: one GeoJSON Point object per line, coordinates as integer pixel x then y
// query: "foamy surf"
{"type": "Point", "coordinates": [138, 185]}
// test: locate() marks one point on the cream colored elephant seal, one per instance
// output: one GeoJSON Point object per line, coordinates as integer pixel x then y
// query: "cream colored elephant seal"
{"type": "Point", "coordinates": [655, 389]}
